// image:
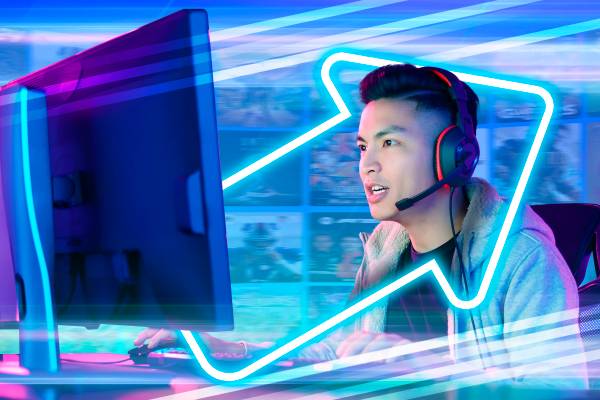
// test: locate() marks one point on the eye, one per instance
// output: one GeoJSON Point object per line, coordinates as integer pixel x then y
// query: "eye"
{"type": "Point", "coordinates": [362, 147]}
{"type": "Point", "coordinates": [389, 142]}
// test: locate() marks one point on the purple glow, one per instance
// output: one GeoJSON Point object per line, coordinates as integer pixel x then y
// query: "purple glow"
{"type": "Point", "coordinates": [9, 310]}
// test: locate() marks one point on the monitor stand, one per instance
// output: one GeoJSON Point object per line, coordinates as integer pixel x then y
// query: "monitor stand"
{"type": "Point", "coordinates": [25, 170]}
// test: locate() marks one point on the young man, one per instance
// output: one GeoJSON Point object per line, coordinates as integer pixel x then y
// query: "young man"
{"type": "Point", "coordinates": [409, 145]}
{"type": "Point", "coordinates": [418, 151]}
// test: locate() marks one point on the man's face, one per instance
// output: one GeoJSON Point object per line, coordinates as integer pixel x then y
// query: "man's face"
{"type": "Point", "coordinates": [396, 147]}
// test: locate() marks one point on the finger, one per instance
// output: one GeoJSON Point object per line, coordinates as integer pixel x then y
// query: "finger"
{"type": "Point", "coordinates": [358, 346]}
{"type": "Point", "coordinates": [145, 334]}
{"type": "Point", "coordinates": [310, 353]}
{"type": "Point", "coordinates": [318, 352]}
{"type": "Point", "coordinates": [386, 341]}
{"type": "Point", "coordinates": [211, 342]}
{"type": "Point", "coordinates": [379, 342]}
{"type": "Point", "coordinates": [355, 345]}
{"type": "Point", "coordinates": [256, 347]}
{"type": "Point", "coordinates": [341, 349]}
{"type": "Point", "coordinates": [264, 345]}
{"type": "Point", "coordinates": [164, 336]}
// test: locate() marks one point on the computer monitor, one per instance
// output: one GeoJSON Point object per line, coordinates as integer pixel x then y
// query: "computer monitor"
{"type": "Point", "coordinates": [137, 204]}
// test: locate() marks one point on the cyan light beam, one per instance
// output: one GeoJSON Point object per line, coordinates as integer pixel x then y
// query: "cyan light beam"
{"type": "Point", "coordinates": [362, 34]}
{"type": "Point", "coordinates": [432, 266]}
{"type": "Point", "coordinates": [299, 18]}
{"type": "Point", "coordinates": [496, 46]}
{"type": "Point", "coordinates": [33, 225]}
{"type": "Point", "coordinates": [553, 326]}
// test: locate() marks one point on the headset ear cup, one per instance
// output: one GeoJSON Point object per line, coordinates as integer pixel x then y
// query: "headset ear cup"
{"type": "Point", "coordinates": [454, 150]}
{"type": "Point", "coordinates": [468, 155]}
{"type": "Point", "coordinates": [445, 151]}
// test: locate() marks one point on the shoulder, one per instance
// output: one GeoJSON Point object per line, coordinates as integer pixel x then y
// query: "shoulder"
{"type": "Point", "coordinates": [534, 265]}
{"type": "Point", "coordinates": [533, 244]}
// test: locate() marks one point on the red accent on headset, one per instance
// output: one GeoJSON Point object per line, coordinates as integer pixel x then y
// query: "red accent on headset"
{"type": "Point", "coordinates": [442, 77]}
{"type": "Point", "coordinates": [438, 165]}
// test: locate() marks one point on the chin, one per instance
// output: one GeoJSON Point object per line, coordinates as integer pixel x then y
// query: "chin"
{"type": "Point", "coordinates": [386, 213]}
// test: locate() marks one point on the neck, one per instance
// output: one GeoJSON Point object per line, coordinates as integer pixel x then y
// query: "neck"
{"type": "Point", "coordinates": [428, 224]}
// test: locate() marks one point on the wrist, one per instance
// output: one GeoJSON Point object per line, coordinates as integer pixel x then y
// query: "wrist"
{"type": "Point", "coordinates": [244, 351]}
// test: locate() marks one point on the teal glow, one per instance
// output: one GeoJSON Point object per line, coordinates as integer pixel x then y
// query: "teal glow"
{"type": "Point", "coordinates": [431, 266]}
{"type": "Point", "coordinates": [35, 233]}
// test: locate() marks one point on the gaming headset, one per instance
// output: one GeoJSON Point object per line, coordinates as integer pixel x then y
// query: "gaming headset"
{"type": "Point", "coordinates": [456, 150]}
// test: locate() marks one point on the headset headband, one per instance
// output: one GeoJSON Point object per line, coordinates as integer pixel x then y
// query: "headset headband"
{"type": "Point", "coordinates": [457, 91]}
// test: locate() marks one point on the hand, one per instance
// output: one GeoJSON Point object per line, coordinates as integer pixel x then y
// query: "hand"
{"type": "Point", "coordinates": [366, 342]}
{"type": "Point", "coordinates": [165, 337]}
{"type": "Point", "coordinates": [220, 348]}
{"type": "Point", "coordinates": [217, 347]}
{"type": "Point", "coordinates": [156, 337]}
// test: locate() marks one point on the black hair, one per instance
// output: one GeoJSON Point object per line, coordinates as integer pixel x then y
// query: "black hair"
{"type": "Point", "coordinates": [407, 82]}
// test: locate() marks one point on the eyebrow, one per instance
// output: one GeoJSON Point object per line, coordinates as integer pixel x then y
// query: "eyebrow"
{"type": "Point", "coordinates": [386, 131]}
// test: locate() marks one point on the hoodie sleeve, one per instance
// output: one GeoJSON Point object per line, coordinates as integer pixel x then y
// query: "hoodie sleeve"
{"type": "Point", "coordinates": [538, 344]}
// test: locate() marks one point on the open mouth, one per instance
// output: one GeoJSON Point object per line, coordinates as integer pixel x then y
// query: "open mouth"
{"type": "Point", "coordinates": [376, 193]}
{"type": "Point", "coordinates": [378, 189]}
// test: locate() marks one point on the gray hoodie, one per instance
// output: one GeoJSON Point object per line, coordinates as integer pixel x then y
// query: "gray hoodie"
{"type": "Point", "coordinates": [532, 281]}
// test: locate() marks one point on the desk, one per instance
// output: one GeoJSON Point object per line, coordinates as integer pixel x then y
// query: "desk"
{"type": "Point", "coordinates": [78, 380]}
{"type": "Point", "coordinates": [88, 377]}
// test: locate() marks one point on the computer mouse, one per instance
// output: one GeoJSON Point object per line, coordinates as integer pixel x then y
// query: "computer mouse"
{"type": "Point", "coordinates": [139, 355]}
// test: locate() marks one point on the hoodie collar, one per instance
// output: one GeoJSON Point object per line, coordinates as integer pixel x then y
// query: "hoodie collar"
{"type": "Point", "coordinates": [485, 214]}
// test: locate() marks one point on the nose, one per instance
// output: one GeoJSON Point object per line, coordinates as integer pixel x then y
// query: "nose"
{"type": "Point", "coordinates": [369, 162]}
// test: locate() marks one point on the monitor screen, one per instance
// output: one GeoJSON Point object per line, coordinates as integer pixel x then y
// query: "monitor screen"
{"type": "Point", "coordinates": [139, 226]}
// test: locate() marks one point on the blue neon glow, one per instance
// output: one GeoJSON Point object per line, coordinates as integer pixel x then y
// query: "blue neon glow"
{"type": "Point", "coordinates": [35, 232]}
{"type": "Point", "coordinates": [515, 41]}
{"type": "Point", "coordinates": [300, 18]}
{"type": "Point", "coordinates": [521, 344]}
{"type": "Point", "coordinates": [359, 35]}
{"type": "Point", "coordinates": [430, 266]}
